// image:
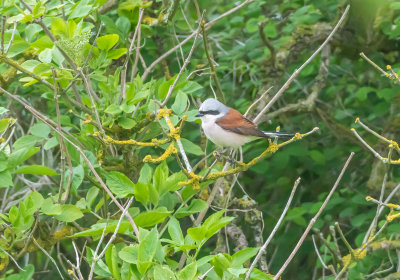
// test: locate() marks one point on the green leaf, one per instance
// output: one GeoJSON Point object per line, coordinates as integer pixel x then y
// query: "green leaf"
{"type": "Point", "coordinates": [240, 257]}
{"type": "Point", "coordinates": [50, 143]}
{"type": "Point", "coordinates": [81, 9]}
{"type": "Point", "coordinates": [119, 184]}
{"type": "Point", "coordinates": [112, 263]}
{"type": "Point", "coordinates": [171, 184]}
{"type": "Point", "coordinates": [174, 230]}
{"type": "Point", "coordinates": [191, 148]}
{"type": "Point", "coordinates": [17, 47]}
{"type": "Point", "coordinates": [151, 218]}
{"type": "Point", "coordinates": [50, 208]}
{"type": "Point", "coordinates": [78, 173]}
{"type": "Point", "coordinates": [113, 109]}
{"type": "Point", "coordinates": [5, 179]}
{"type": "Point", "coordinates": [69, 213]}
{"type": "Point", "coordinates": [141, 193]}
{"type": "Point", "coordinates": [181, 101]}
{"type": "Point", "coordinates": [35, 200]}
{"type": "Point", "coordinates": [189, 272]}
{"type": "Point", "coordinates": [26, 141]}
{"type": "Point", "coordinates": [160, 176]}
{"type": "Point", "coordinates": [35, 169]}
{"type": "Point", "coordinates": [3, 110]}
{"type": "Point", "coordinates": [270, 30]}
{"type": "Point", "coordinates": [147, 249]}
{"type": "Point", "coordinates": [126, 123]}
{"type": "Point", "coordinates": [163, 273]}
{"type": "Point", "coordinates": [129, 254]}
{"type": "Point", "coordinates": [164, 87]}
{"type": "Point", "coordinates": [21, 155]}
{"type": "Point", "coordinates": [40, 130]}
{"type": "Point", "coordinates": [46, 56]}
{"type": "Point", "coordinates": [3, 161]}
{"type": "Point", "coordinates": [317, 156]}
{"type": "Point", "coordinates": [107, 42]}
{"type": "Point", "coordinates": [59, 27]}
{"type": "Point", "coordinates": [252, 25]}
{"type": "Point", "coordinates": [362, 93]}
{"type": "Point", "coordinates": [198, 234]}
{"type": "Point", "coordinates": [196, 205]}
{"type": "Point", "coordinates": [91, 196]}
{"type": "Point", "coordinates": [116, 53]}
{"type": "Point", "coordinates": [146, 174]}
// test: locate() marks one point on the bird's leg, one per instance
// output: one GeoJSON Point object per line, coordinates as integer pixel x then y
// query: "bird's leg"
{"type": "Point", "coordinates": [219, 153]}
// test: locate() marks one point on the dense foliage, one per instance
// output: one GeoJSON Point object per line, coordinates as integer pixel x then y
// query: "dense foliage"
{"type": "Point", "coordinates": [105, 173]}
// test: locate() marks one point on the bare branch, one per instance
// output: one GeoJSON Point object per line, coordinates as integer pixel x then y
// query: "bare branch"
{"type": "Point", "coordinates": [274, 230]}
{"type": "Point", "coordinates": [314, 219]}
{"type": "Point", "coordinates": [297, 71]}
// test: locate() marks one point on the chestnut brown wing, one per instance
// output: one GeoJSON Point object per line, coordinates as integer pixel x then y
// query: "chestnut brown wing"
{"type": "Point", "coordinates": [234, 121]}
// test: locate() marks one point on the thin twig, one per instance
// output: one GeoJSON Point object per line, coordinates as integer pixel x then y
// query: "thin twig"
{"type": "Point", "coordinates": [314, 219]}
{"type": "Point", "coordinates": [208, 25]}
{"type": "Point", "coordinates": [125, 66]}
{"type": "Point", "coordinates": [12, 37]}
{"type": "Point", "coordinates": [275, 229]}
{"type": "Point", "coordinates": [220, 94]}
{"type": "Point", "coordinates": [48, 255]}
{"type": "Point", "coordinates": [185, 63]}
{"type": "Point", "coordinates": [297, 71]}
{"type": "Point", "coordinates": [63, 149]}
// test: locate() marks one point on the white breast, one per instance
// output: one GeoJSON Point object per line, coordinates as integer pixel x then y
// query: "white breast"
{"type": "Point", "coordinates": [219, 136]}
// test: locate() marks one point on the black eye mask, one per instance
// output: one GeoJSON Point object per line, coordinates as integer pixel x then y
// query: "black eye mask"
{"type": "Point", "coordinates": [209, 112]}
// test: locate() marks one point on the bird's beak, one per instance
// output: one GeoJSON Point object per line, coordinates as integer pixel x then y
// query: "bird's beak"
{"type": "Point", "coordinates": [198, 115]}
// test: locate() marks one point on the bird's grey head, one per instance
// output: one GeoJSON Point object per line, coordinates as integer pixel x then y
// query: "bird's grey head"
{"type": "Point", "coordinates": [212, 107]}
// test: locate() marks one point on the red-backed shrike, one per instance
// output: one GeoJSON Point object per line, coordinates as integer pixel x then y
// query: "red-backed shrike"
{"type": "Point", "coordinates": [227, 127]}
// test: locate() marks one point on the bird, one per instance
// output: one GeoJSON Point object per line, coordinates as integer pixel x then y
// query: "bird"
{"type": "Point", "coordinates": [228, 128]}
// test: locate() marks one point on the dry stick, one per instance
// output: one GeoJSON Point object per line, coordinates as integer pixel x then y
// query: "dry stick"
{"type": "Point", "coordinates": [374, 223]}
{"type": "Point", "coordinates": [265, 245]}
{"type": "Point", "coordinates": [97, 249]}
{"type": "Point", "coordinates": [48, 255]}
{"type": "Point", "coordinates": [314, 219]}
{"type": "Point", "coordinates": [115, 231]}
{"type": "Point", "coordinates": [205, 273]}
{"type": "Point", "coordinates": [297, 71]}
{"type": "Point", "coordinates": [185, 63]}
{"type": "Point", "coordinates": [220, 94]}
{"type": "Point", "coordinates": [12, 37]}
{"type": "Point", "coordinates": [330, 267]}
{"type": "Point", "coordinates": [43, 118]}
{"type": "Point", "coordinates": [92, 95]}
{"type": "Point", "coordinates": [3, 28]}
{"type": "Point", "coordinates": [208, 25]}
{"type": "Point", "coordinates": [255, 102]}
{"type": "Point", "coordinates": [137, 55]}
{"type": "Point", "coordinates": [63, 149]}
{"type": "Point", "coordinates": [125, 66]}
{"type": "Point", "coordinates": [11, 257]}
{"type": "Point", "coordinates": [374, 64]}
{"type": "Point", "coordinates": [375, 153]}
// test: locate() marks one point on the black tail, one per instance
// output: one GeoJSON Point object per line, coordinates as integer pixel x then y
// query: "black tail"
{"type": "Point", "coordinates": [278, 134]}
